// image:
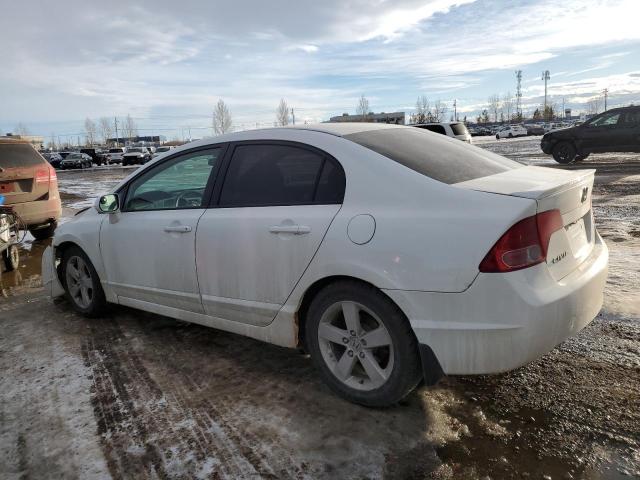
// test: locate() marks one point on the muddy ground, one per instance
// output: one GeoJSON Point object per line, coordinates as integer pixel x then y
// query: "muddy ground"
{"type": "Point", "coordinates": [136, 395]}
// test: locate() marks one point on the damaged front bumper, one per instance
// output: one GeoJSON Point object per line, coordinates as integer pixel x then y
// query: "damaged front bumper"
{"type": "Point", "coordinates": [50, 280]}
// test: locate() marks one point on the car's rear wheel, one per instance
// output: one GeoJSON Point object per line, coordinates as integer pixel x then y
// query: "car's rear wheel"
{"type": "Point", "coordinates": [42, 232]}
{"type": "Point", "coordinates": [11, 258]}
{"type": "Point", "coordinates": [81, 283]}
{"type": "Point", "coordinates": [564, 152]}
{"type": "Point", "coordinates": [362, 344]}
{"type": "Point", "coordinates": [510, 135]}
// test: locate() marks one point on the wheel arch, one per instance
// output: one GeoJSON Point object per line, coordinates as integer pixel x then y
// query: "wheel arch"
{"type": "Point", "coordinates": [313, 290]}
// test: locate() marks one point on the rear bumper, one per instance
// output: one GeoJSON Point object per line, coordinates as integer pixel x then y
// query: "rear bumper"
{"type": "Point", "coordinates": [38, 212]}
{"type": "Point", "coordinates": [504, 321]}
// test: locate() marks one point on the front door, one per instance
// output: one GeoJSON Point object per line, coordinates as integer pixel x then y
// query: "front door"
{"type": "Point", "coordinates": [148, 247]}
{"type": "Point", "coordinates": [602, 134]}
{"type": "Point", "coordinates": [275, 206]}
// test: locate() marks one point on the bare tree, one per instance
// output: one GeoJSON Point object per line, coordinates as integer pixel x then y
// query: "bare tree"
{"type": "Point", "coordinates": [129, 128]}
{"type": "Point", "coordinates": [282, 113]}
{"type": "Point", "coordinates": [593, 106]}
{"type": "Point", "coordinates": [508, 106]}
{"type": "Point", "coordinates": [494, 106]}
{"type": "Point", "coordinates": [21, 129]}
{"type": "Point", "coordinates": [423, 110]}
{"type": "Point", "coordinates": [90, 131]}
{"type": "Point", "coordinates": [105, 128]}
{"type": "Point", "coordinates": [221, 118]}
{"type": "Point", "coordinates": [363, 108]}
{"type": "Point", "coordinates": [439, 111]}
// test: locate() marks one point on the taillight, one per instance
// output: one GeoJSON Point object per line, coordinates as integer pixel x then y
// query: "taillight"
{"type": "Point", "coordinates": [525, 244]}
{"type": "Point", "coordinates": [42, 176]}
{"type": "Point", "coordinates": [52, 174]}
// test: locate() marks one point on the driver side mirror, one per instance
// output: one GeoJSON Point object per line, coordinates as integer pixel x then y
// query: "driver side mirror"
{"type": "Point", "coordinates": [109, 203]}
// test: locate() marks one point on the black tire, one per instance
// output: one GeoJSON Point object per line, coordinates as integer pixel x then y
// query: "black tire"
{"type": "Point", "coordinates": [43, 232]}
{"type": "Point", "coordinates": [580, 158]}
{"type": "Point", "coordinates": [497, 137]}
{"type": "Point", "coordinates": [510, 135]}
{"type": "Point", "coordinates": [98, 304]}
{"type": "Point", "coordinates": [564, 152]}
{"type": "Point", "coordinates": [11, 257]}
{"type": "Point", "coordinates": [405, 370]}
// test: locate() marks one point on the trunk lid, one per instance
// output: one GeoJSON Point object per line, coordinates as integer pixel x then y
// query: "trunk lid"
{"type": "Point", "coordinates": [552, 189]}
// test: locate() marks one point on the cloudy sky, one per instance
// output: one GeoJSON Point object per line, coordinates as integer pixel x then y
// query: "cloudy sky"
{"type": "Point", "coordinates": [166, 62]}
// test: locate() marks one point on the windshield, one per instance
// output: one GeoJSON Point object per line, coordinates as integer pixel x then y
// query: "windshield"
{"type": "Point", "coordinates": [439, 157]}
{"type": "Point", "coordinates": [162, 149]}
{"type": "Point", "coordinates": [74, 156]}
{"type": "Point", "coordinates": [459, 129]}
{"type": "Point", "coordinates": [135, 150]}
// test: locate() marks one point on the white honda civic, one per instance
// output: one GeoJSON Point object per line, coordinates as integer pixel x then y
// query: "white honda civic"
{"type": "Point", "coordinates": [391, 254]}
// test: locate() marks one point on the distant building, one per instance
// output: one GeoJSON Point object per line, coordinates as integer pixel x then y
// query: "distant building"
{"type": "Point", "coordinates": [36, 140]}
{"type": "Point", "coordinates": [137, 139]}
{"type": "Point", "coordinates": [396, 118]}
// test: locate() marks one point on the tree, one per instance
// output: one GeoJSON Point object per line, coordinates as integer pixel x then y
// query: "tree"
{"type": "Point", "coordinates": [129, 128]}
{"type": "Point", "coordinates": [537, 115]}
{"type": "Point", "coordinates": [423, 110]}
{"type": "Point", "coordinates": [507, 106]}
{"type": "Point", "coordinates": [485, 116]}
{"type": "Point", "coordinates": [90, 131]}
{"type": "Point", "coordinates": [21, 129]}
{"type": "Point", "coordinates": [363, 108]}
{"type": "Point", "coordinates": [105, 129]}
{"type": "Point", "coordinates": [593, 106]}
{"type": "Point", "coordinates": [221, 118]}
{"type": "Point", "coordinates": [494, 106]}
{"type": "Point", "coordinates": [439, 111]}
{"type": "Point", "coordinates": [282, 113]}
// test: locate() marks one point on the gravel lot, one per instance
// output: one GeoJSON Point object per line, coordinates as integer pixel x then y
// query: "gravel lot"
{"type": "Point", "coordinates": [136, 395]}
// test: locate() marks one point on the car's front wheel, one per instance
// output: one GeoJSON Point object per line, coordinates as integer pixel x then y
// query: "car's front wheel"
{"type": "Point", "coordinates": [564, 152]}
{"type": "Point", "coordinates": [81, 283]}
{"type": "Point", "coordinates": [362, 344]}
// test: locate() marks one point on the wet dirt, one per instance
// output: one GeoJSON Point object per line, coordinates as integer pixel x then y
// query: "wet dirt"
{"type": "Point", "coordinates": [136, 395]}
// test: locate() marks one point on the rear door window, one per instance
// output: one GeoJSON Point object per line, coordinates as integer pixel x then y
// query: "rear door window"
{"type": "Point", "coordinates": [443, 159]}
{"type": "Point", "coordinates": [271, 175]}
{"type": "Point", "coordinates": [459, 129]}
{"type": "Point", "coordinates": [19, 155]}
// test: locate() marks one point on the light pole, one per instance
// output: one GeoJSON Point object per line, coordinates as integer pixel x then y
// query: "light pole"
{"type": "Point", "coordinates": [546, 77]}
{"type": "Point", "coordinates": [606, 94]}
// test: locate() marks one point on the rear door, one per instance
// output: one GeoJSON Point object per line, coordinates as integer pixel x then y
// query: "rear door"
{"type": "Point", "coordinates": [629, 130]}
{"type": "Point", "coordinates": [275, 205]}
{"type": "Point", "coordinates": [602, 134]}
{"type": "Point", "coordinates": [24, 173]}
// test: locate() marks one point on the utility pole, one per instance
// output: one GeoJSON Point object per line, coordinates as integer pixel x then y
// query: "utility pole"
{"type": "Point", "coordinates": [606, 94]}
{"type": "Point", "coordinates": [546, 77]}
{"type": "Point", "coordinates": [455, 110]}
{"type": "Point", "coordinates": [293, 116]}
{"type": "Point", "coordinates": [519, 94]}
{"type": "Point", "coordinates": [564, 115]}
{"type": "Point", "coordinates": [115, 121]}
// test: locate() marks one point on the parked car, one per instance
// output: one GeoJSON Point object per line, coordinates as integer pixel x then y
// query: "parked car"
{"type": "Point", "coordinates": [452, 129]}
{"type": "Point", "coordinates": [390, 254]}
{"type": "Point", "coordinates": [76, 160]}
{"type": "Point", "coordinates": [535, 129]}
{"type": "Point", "coordinates": [616, 130]}
{"type": "Point", "coordinates": [136, 156]}
{"type": "Point", "coordinates": [64, 154]}
{"type": "Point", "coordinates": [94, 154]}
{"type": "Point", "coordinates": [160, 150]}
{"type": "Point", "coordinates": [53, 158]}
{"type": "Point", "coordinates": [114, 155]}
{"type": "Point", "coordinates": [511, 131]}
{"type": "Point", "coordinates": [29, 184]}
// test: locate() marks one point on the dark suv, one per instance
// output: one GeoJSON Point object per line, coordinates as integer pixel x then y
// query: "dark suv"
{"type": "Point", "coordinates": [616, 130]}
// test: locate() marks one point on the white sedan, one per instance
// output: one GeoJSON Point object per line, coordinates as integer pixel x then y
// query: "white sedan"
{"type": "Point", "coordinates": [393, 255]}
{"type": "Point", "coordinates": [511, 131]}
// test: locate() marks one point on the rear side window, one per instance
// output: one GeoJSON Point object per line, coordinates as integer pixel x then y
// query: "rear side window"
{"type": "Point", "coordinates": [441, 158]}
{"type": "Point", "coordinates": [631, 117]}
{"type": "Point", "coordinates": [19, 155]}
{"type": "Point", "coordinates": [263, 175]}
{"type": "Point", "coordinates": [434, 128]}
{"type": "Point", "coordinates": [459, 129]}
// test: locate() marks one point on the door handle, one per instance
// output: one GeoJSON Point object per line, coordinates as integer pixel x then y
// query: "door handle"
{"type": "Point", "coordinates": [178, 229]}
{"type": "Point", "coordinates": [294, 229]}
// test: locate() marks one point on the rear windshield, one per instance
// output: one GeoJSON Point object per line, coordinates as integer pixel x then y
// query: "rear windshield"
{"type": "Point", "coordinates": [19, 155]}
{"type": "Point", "coordinates": [444, 159]}
{"type": "Point", "coordinates": [459, 129]}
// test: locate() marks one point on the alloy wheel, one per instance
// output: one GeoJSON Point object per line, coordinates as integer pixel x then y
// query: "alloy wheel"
{"type": "Point", "coordinates": [356, 345]}
{"type": "Point", "coordinates": [79, 282]}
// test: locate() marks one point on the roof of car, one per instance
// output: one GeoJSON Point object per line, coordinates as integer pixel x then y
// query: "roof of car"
{"type": "Point", "coordinates": [12, 141]}
{"type": "Point", "coordinates": [341, 129]}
